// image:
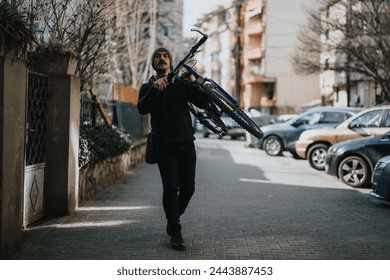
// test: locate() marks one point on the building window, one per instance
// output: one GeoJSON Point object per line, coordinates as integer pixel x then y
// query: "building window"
{"type": "Point", "coordinates": [167, 30]}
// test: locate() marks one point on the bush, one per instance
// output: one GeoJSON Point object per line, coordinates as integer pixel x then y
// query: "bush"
{"type": "Point", "coordinates": [101, 142]}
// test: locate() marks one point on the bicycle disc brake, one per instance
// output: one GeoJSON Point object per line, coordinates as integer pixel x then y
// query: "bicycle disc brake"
{"type": "Point", "coordinates": [210, 119]}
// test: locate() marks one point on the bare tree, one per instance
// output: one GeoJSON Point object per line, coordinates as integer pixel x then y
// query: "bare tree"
{"type": "Point", "coordinates": [140, 27]}
{"type": "Point", "coordinates": [351, 36]}
{"type": "Point", "coordinates": [15, 35]}
{"type": "Point", "coordinates": [74, 26]}
{"type": "Point", "coordinates": [134, 39]}
{"type": "Point", "coordinates": [114, 38]}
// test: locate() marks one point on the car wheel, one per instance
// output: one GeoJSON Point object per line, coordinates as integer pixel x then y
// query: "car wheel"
{"type": "Point", "coordinates": [316, 156]}
{"type": "Point", "coordinates": [354, 171]}
{"type": "Point", "coordinates": [273, 146]}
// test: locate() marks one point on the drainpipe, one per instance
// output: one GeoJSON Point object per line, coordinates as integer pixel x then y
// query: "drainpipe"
{"type": "Point", "coordinates": [348, 72]}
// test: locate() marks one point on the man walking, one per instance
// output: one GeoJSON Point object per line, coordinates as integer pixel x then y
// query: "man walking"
{"type": "Point", "coordinates": [170, 117]}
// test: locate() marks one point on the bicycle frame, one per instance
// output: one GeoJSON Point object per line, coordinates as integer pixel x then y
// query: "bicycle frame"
{"type": "Point", "coordinates": [197, 76]}
{"type": "Point", "coordinates": [219, 100]}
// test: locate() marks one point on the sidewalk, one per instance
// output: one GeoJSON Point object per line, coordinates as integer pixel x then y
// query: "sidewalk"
{"type": "Point", "coordinates": [231, 216]}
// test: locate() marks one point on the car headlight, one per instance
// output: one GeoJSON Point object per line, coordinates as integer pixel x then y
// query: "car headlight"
{"type": "Point", "coordinates": [380, 165]}
{"type": "Point", "coordinates": [332, 150]}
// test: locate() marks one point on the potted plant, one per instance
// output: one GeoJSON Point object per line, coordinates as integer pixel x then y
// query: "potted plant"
{"type": "Point", "coordinates": [15, 34]}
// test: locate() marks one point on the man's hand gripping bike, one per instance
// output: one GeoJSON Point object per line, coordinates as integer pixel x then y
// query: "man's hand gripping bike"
{"type": "Point", "coordinates": [219, 100]}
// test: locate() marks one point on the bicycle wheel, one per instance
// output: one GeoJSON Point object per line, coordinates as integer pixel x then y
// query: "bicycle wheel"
{"type": "Point", "coordinates": [232, 110]}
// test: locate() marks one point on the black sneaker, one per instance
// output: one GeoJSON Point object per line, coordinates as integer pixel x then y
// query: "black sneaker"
{"type": "Point", "coordinates": [177, 241]}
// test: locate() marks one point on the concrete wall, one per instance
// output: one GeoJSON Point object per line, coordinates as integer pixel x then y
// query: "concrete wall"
{"type": "Point", "coordinates": [63, 122]}
{"type": "Point", "coordinates": [13, 80]}
{"type": "Point", "coordinates": [61, 175]}
{"type": "Point", "coordinates": [61, 180]}
{"type": "Point", "coordinates": [62, 172]}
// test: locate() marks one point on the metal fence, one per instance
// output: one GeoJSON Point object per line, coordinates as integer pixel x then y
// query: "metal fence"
{"type": "Point", "coordinates": [36, 118]}
{"type": "Point", "coordinates": [122, 115]}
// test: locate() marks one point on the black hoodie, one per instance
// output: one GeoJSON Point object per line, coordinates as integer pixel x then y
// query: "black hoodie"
{"type": "Point", "coordinates": [169, 109]}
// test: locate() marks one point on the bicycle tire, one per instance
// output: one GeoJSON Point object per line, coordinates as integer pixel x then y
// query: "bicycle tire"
{"type": "Point", "coordinates": [232, 110]}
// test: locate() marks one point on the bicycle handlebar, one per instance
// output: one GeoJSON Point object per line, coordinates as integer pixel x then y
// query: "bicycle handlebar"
{"type": "Point", "coordinates": [192, 52]}
{"type": "Point", "coordinates": [201, 41]}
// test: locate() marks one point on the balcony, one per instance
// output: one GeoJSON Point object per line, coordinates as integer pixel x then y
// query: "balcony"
{"type": "Point", "coordinates": [254, 78]}
{"type": "Point", "coordinates": [254, 53]}
{"type": "Point", "coordinates": [254, 29]}
{"type": "Point", "coordinates": [253, 8]}
{"type": "Point", "coordinates": [258, 78]}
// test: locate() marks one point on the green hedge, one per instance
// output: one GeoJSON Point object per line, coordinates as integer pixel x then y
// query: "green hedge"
{"type": "Point", "coordinates": [101, 142]}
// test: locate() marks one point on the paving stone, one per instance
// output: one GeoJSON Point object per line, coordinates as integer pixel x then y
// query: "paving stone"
{"type": "Point", "coordinates": [246, 206]}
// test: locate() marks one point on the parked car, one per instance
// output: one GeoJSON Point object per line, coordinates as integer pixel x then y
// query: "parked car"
{"type": "Point", "coordinates": [353, 161]}
{"type": "Point", "coordinates": [285, 117]}
{"type": "Point", "coordinates": [235, 131]}
{"type": "Point", "coordinates": [315, 143]}
{"type": "Point", "coordinates": [281, 137]}
{"type": "Point", "coordinates": [260, 121]}
{"type": "Point", "coordinates": [380, 179]}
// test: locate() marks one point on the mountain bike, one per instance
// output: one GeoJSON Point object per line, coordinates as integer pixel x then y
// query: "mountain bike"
{"type": "Point", "coordinates": [219, 100]}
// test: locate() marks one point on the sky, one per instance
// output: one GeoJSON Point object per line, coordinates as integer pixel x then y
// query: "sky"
{"type": "Point", "coordinates": [193, 9]}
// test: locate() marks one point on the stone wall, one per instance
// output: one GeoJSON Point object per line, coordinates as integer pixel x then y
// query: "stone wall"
{"type": "Point", "coordinates": [95, 178]}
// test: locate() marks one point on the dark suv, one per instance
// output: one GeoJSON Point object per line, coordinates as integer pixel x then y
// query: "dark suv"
{"type": "Point", "coordinates": [282, 136]}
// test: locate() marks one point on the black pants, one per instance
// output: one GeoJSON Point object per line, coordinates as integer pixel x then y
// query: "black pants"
{"type": "Point", "coordinates": [177, 169]}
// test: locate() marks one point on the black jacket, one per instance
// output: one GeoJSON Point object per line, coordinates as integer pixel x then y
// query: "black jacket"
{"type": "Point", "coordinates": [169, 109]}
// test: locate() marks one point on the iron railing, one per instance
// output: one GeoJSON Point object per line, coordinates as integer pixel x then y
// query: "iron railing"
{"type": "Point", "coordinates": [36, 118]}
{"type": "Point", "coordinates": [123, 115]}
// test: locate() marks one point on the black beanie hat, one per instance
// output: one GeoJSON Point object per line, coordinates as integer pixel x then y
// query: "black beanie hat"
{"type": "Point", "coordinates": [162, 50]}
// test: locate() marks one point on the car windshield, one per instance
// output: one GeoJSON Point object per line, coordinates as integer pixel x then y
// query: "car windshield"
{"type": "Point", "coordinates": [293, 120]}
{"type": "Point", "coordinates": [309, 118]}
{"type": "Point", "coordinates": [370, 119]}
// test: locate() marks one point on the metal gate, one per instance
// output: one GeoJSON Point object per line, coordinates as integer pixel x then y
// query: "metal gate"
{"type": "Point", "coordinates": [36, 116]}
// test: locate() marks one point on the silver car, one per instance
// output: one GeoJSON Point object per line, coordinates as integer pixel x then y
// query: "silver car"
{"type": "Point", "coordinates": [281, 137]}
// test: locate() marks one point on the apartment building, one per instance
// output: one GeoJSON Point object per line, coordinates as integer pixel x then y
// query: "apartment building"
{"type": "Point", "coordinates": [214, 60]}
{"type": "Point", "coordinates": [277, 88]}
{"type": "Point", "coordinates": [344, 88]}
{"type": "Point", "coordinates": [259, 89]}
{"type": "Point", "coordinates": [264, 33]}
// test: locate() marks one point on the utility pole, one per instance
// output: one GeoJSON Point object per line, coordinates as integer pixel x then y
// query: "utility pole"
{"type": "Point", "coordinates": [348, 70]}
{"type": "Point", "coordinates": [238, 51]}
